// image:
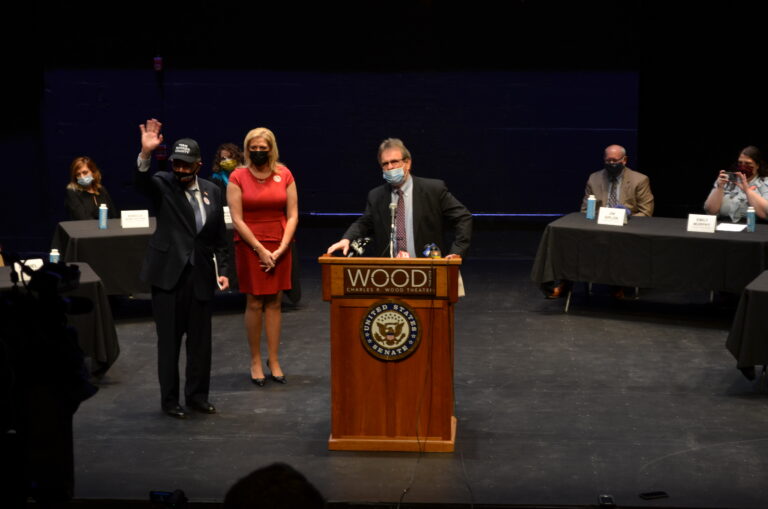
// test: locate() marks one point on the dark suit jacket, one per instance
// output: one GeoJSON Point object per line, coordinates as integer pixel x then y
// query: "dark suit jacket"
{"type": "Point", "coordinates": [434, 207]}
{"type": "Point", "coordinates": [175, 239]}
{"type": "Point", "coordinates": [81, 204]}
{"type": "Point", "coordinates": [635, 191]}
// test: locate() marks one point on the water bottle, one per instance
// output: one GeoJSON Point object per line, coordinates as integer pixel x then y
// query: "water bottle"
{"type": "Point", "coordinates": [591, 203]}
{"type": "Point", "coordinates": [750, 219]}
{"type": "Point", "coordinates": [103, 216]}
{"type": "Point", "coordinates": [54, 256]}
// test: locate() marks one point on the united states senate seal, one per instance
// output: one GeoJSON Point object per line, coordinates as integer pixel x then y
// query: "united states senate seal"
{"type": "Point", "coordinates": [390, 330]}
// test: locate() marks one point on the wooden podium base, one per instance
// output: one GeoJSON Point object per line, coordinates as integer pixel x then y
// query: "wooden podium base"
{"type": "Point", "coordinates": [391, 353]}
{"type": "Point", "coordinates": [403, 444]}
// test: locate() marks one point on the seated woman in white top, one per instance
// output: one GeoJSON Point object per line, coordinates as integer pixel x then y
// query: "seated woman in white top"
{"type": "Point", "coordinates": [746, 187]}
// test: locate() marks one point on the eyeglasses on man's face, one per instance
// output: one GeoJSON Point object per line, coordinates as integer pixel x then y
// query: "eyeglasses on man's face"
{"type": "Point", "coordinates": [394, 163]}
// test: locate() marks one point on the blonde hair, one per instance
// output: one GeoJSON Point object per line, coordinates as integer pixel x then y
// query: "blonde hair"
{"type": "Point", "coordinates": [269, 137]}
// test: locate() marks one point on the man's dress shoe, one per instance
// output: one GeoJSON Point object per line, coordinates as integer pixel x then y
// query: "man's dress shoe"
{"type": "Point", "coordinates": [175, 411]}
{"type": "Point", "coordinates": [202, 406]}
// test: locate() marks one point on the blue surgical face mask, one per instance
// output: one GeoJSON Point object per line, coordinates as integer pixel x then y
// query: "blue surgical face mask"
{"type": "Point", "coordinates": [85, 181]}
{"type": "Point", "coordinates": [394, 177]}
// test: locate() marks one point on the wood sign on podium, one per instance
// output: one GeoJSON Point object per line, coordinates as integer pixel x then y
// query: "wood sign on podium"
{"type": "Point", "coordinates": [391, 352]}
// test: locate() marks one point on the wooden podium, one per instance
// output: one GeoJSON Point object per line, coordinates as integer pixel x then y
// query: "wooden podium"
{"type": "Point", "coordinates": [391, 352]}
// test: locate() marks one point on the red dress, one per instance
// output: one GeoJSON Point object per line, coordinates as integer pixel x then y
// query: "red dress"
{"type": "Point", "coordinates": [264, 212]}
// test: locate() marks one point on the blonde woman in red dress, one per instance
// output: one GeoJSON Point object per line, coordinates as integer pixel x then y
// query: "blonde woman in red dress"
{"type": "Point", "coordinates": [264, 206]}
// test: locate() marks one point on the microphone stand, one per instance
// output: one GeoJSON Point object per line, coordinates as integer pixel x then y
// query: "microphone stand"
{"type": "Point", "coordinates": [392, 229]}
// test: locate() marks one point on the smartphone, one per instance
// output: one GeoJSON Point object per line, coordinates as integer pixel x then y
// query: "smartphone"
{"type": "Point", "coordinates": [605, 501]}
{"type": "Point", "coordinates": [652, 495]}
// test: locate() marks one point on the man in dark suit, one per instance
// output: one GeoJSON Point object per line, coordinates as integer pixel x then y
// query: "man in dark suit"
{"type": "Point", "coordinates": [179, 265]}
{"type": "Point", "coordinates": [422, 208]}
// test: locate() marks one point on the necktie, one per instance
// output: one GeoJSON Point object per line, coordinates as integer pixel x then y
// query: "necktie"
{"type": "Point", "coordinates": [196, 209]}
{"type": "Point", "coordinates": [402, 235]}
{"type": "Point", "coordinates": [612, 201]}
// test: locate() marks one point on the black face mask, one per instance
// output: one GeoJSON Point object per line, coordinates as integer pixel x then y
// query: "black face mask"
{"type": "Point", "coordinates": [259, 157]}
{"type": "Point", "coordinates": [613, 169]}
{"type": "Point", "coordinates": [184, 178]}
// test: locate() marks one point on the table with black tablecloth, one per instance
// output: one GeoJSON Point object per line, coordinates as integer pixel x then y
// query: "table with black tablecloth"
{"type": "Point", "coordinates": [116, 254]}
{"type": "Point", "coordinates": [748, 339]}
{"type": "Point", "coordinates": [650, 252]}
{"type": "Point", "coordinates": [96, 329]}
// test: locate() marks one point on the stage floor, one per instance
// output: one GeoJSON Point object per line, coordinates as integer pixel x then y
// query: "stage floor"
{"type": "Point", "coordinates": [553, 408]}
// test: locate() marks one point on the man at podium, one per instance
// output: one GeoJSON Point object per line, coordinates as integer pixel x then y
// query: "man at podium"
{"type": "Point", "coordinates": [407, 213]}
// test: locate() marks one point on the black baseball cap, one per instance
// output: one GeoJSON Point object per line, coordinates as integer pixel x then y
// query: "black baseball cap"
{"type": "Point", "coordinates": [185, 149]}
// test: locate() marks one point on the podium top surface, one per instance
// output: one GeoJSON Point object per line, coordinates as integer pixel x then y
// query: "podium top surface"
{"type": "Point", "coordinates": [363, 260]}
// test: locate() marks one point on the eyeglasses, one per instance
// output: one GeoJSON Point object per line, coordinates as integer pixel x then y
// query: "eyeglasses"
{"type": "Point", "coordinates": [393, 162]}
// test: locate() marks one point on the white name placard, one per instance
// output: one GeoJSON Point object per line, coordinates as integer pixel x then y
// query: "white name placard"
{"type": "Point", "coordinates": [227, 215]}
{"type": "Point", "coordinates": [702, 223]}
{"type": "Point", "coordinates": [612, 217]}
{"type": "Point", "coordinates": [134, 219]}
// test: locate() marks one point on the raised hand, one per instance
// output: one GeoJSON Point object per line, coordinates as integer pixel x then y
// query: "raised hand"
{"type": "Point", "coordinates": [151, 137]}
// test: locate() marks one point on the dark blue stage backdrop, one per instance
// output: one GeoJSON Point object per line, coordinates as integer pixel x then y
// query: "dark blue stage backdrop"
{"type": "Point", "coordinates": [506, 142]}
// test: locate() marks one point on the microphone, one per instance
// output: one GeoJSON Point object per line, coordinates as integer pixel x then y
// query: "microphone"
{"type": "Point", "coordinates": [357, 246]}
{"type": "Point", "coordinates": [431, 250]}
{"type": "Point", "coordinates": [392, 229]}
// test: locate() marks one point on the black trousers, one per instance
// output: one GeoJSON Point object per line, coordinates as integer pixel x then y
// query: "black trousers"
{"type": "Point", "coordinates": [179, 312]}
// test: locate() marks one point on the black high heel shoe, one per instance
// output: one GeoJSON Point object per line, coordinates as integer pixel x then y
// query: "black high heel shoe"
{"type": "Point", "coordinates": [258, 381]}
{"type": "Point", "coordinates": [279, 379]}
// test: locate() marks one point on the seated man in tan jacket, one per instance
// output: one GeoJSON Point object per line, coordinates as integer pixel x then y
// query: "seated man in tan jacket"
{"type": "Point", "coordinates": [613, 186]}
{"type": "Point", "coordinates": [618, 186]}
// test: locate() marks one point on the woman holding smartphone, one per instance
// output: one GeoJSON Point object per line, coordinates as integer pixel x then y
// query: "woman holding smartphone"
{"type": "Point", "coordinates": [746, 187]}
